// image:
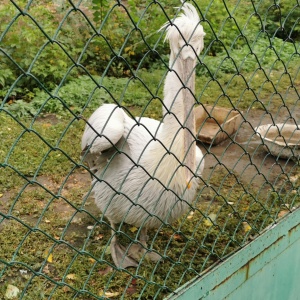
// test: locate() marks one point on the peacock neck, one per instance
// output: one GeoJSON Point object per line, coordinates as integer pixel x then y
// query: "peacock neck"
{"type": "Point", "coordinates": [179, 119]}
{"type": "Point", "coordinates": [175, 103]}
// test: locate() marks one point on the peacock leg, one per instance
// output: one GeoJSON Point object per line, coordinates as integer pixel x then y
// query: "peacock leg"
{"type": "Point", "coordinates": [143, 247]}
{"type": "Point", "coordinates": [118, 252]}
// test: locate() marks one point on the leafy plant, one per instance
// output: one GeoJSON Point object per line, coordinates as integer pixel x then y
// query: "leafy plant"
{"type": "Point", "coordinates": [263, 52]}
{"type": "Point", "coordinates": [281, 19]}
{"type": "Point", "coordinates": [84, 93]}
{"type": "Point", "coordinates": [119, 40]}
{"type": "Point", "coordinates": [99, 8]}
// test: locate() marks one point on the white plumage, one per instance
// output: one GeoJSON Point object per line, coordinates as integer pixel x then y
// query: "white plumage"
{"type": "Point", "coordinates": [146, 171]}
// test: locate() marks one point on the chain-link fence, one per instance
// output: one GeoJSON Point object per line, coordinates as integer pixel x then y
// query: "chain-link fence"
{"type": "Point", "coordinates": [166, 211]}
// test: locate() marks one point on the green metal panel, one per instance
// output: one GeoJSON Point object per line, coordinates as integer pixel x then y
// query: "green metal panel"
{"type": "Point", "coordinates": [267, 268]}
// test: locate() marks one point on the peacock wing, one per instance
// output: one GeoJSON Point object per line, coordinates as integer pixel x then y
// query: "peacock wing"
{"type": "Point", "coordinates": [103, 130]}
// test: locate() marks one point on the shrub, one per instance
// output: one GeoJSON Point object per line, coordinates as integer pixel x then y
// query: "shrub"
{"type": "Point", "coordinates": [281, 19]}
{"type": "Point", "coordinates": [50, 45]}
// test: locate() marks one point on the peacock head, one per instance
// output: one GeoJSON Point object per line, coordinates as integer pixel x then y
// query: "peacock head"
{"type": "Point", "coordinates": [185, 34]}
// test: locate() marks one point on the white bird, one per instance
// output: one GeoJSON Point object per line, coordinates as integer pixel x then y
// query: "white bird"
{"type": "Point", "coordinates": [147, 172]}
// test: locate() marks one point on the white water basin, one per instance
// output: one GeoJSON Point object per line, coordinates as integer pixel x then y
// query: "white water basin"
{"type": "Point", "coordinates": [281, 140]}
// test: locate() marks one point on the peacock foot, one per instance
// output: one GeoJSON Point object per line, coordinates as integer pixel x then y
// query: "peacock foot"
{"type": "Point", "coordinates": [124, 258]}
{"type": "Point", "coordinates": [138, 252]}
{"type": "Point", "coordinates": [153, 256]}
{"type": "Point", "coordinates": [121, 257]}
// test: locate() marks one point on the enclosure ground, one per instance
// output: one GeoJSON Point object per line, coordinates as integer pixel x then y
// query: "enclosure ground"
{"type": "Point", "coordinates": [76, 243]}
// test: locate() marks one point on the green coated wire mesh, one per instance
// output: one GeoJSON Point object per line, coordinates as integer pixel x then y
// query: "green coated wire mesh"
{"type": "Point", "coordinates": [60, 60]}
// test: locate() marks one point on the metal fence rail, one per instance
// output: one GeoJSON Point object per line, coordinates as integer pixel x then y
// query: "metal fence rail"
{"type": "Point", "coordinates": [61, 60]}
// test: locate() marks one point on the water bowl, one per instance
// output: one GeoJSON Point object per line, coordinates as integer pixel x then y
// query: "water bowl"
{"type": "Point", "coordinates": [281, 140]}
{"type": "Point", "coordinates": [214, 124]}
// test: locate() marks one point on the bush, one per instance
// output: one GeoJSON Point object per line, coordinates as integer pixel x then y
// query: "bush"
{"type": "Point", "coordinates": [33, 53]}
{"type": "Point", "coordinates": [51, 45]}
{"type": "Point", "coordinates": [73, 96]}
{"type": "Point", "coordinates": [282, 19]}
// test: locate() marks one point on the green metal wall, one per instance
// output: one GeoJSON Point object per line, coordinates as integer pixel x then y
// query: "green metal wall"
{"type": "Point", "coordinates": [267, 268]}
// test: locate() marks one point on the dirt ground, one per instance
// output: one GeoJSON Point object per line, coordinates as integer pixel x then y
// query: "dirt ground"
{"type": "Point", "coordinates": [244, 153]}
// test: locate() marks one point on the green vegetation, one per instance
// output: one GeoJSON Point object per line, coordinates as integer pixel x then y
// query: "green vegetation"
{"type": "Point", "coordinates": [57, 65]}
{"type": "Point", "coordinates": [54, 64]}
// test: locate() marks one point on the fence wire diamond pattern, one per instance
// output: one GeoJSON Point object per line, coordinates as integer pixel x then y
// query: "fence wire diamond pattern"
{"type": "Point", "coordinates": [238, 98]}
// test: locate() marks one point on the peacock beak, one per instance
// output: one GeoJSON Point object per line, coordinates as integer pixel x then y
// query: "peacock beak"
{"type": "Point", "coordinates": [189, 118]}
{"type": "Point", "coordinates": [188, 79]}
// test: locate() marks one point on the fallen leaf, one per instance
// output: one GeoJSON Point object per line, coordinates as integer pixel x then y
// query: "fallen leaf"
{"type": "Point", "coordinates": [77, 220]}
{"type": "Point", "coordinates": [1, 195]}
{"type": "Point", "coordinates": [190, 216]}
{"type": "Point", "coordinates": [48, 255]}
{"type": "Point", "coordinates": [132, 288]}
{"type": "Point", "coordinates": [50, 258]}
{"type": "Point", "coordinates": [208, 223]}
{"type": "Point", "coordinates": [108, 294]}
{"type": "Point", "coordinates": [47, 221]}
{"type": "Point", "coordinates": [46, 269]}
{"type": "Point", "coordinates": [212, 216]}
{"type": "Point", "coordinates": [246, 226]}
{"type": "Point", "coordinates": [245, 208]}
{"type": "Point", "coordinates": [98, 237]}
{"type": "Point", "coordinates": [46, 125]}
{"type": "Point", "coordinates": [127, 49]}
{"type": "Point", "coordinates": [133, 229]}
{"type": "Point", "coordinates": [23, 271]}
{"type": "Point", "coordinates": [11, 291]}
{"type": "Point", "coordinates": [210, 220]}
{"type": "Point", "coordinates": [105, 271]}
{"type": "Point", "coordinates": [91, 260]}
{"type": "Point", "coordinates": [294, 178]}
{"type": "Point", "coordinates": [177, 237]}
{"type": "Point", "coordinates": [282, 213]}
{"type": "Point", "coordinates": [71, 276]}
{"type": "Point", "coordinates": [66, 289]}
